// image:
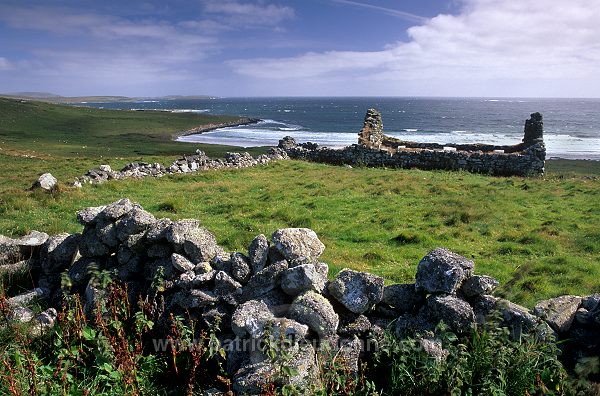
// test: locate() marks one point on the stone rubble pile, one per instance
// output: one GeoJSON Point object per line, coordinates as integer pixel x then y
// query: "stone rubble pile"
{"type": "Point", "coordinates": [279, 288]}
{"type": "Point", "coordinates": [189, 163]}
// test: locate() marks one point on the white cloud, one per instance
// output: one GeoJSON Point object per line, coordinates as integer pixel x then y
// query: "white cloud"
{"type": "Point", "coordinates": [488, 41]}
{"type": "Point", "coordinates": [249, 14]}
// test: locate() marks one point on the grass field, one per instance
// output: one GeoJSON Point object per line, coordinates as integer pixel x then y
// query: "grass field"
{"type": "Point", "coordinates": [540, 237]}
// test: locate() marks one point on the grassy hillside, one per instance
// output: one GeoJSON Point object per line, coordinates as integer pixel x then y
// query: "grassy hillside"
{"type": "Point", "coordinates": [38, 128]}
{"type": "Point", "coordinates": [540, 237]}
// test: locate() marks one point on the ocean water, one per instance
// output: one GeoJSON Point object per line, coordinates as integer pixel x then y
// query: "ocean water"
{"type": "Point", "coordinates": [571, 126]}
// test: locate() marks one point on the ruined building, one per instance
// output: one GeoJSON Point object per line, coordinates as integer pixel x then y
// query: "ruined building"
{"type": "Point", "coordinates": [374, 148]}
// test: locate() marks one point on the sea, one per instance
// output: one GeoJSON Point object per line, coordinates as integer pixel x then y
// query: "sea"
{"type": "Point", "coordinates": [571, 126]}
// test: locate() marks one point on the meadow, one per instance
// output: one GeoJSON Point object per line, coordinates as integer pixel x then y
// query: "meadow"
{"type": "Point", "coordinates": [540, 237]}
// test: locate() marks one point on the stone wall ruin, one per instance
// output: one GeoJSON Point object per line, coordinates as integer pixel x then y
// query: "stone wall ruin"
{"type": "Point", "coordinates": [376, 149]}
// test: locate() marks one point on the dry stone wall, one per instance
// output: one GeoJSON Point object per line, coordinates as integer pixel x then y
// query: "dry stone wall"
{"type": "Point", "coordinates": [279, 286]}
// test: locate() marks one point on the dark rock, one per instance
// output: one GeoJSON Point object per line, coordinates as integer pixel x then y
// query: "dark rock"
{"type": "Point", "coordinates": [409, 325]}
{"type": "Point", "coordinates": [316, 312]}
{"type": "Point", "coordinates": [357, 291]}
{"type": "Point", "coordinates": [591, 302]}
{"type": "Point", "coordinates": [298, 243]}
{"type": "Point", "coordinates": [158, 231]}
{"type": "Point", "coordinates": [195, 298]}
{"type": "Point", "coordinates": [402, 297]}
{"type": "Point", "coordinates": [534, 129]}
{"type": "Point", "coordinates": [258, 252]}
{"type": "Point", "coordinates": [227, 289]}
{"type": "Point", "coordinates": [287, 143]}
{"type": "Point", "coordinates": [483, 307]}
{"type": "Point", "coordinates": [107, 233]}
{"type": "Point", "coordinates": [354, 325]}
{"type": "Point", "coordinates": [58, 252]}
{"type": "Point", "coordinates": [478, 285]}
{"type": "Point", "coordinates": [264, 281]}
{"type": "Point", "coordinates": [442, 271]}
{"type": "Point", "coordinates": [240, 267]}
{"type": "Point", "coordinates": [90, 245]}
{"type": "Point", "coordinates": [159, 250]}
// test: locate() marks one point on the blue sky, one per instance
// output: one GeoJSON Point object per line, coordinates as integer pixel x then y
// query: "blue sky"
{"type": "Point", "coordinates": [302, 48]}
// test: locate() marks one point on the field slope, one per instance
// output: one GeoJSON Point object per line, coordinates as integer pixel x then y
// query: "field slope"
{"type": "Point", "coordinates": [540, 236]}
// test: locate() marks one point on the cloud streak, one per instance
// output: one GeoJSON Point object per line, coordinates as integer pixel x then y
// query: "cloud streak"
{"type": "Point", "coordinates": [389, 11]}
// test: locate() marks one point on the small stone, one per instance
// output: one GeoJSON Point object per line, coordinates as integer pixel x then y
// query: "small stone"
{"type": "Point", "coordinates": [195, 298]}
{"type": "Point", "coordinates": [200, 245]}
{"type": "Point", "coordinates": [478, 285]}
{"type": "Point", "coordinates": [105, 168]}
{"type": "Point", "coordinates": [158, 231]}
{"type": "Point", "coordinates": [403, 297]}
{"type": "Point", "coordinates": [454, 312]}
{"type": "Point", "coordinates": [302, 278]}
{"type": "Point", "coordinates": [240, 267]}
{"type": "Point", "coordinates": [226, 288]}
{"type": "Point", "coordinates": [202, 268]}
{"type": "Point", "coordinates": [90, 245]}
{"type": "Point", "coordinates": [250, 319]}
{"type": "Point", "coordinates": [46, 182]}
{"type": "Point", "coordinates": [117, 209]}
{"type": "Point", "coordinates": [357, 291]}
{"type": "Point", "coordinates": [591, 302]}
{"type": "Point", "coordinates": [434, 348]}
{"type": "Point", "coordinates": [177, 231]}
{"type": "Point", "coordinates": [181, 263]}
{"type": "Point", "coordinates": [442, 271]}
{"type": "Point", "coordinates": [134, 222]}
{"type": "Point", "coordinates": [258, 252]}
{"type": "Point", "coordinates": [316, 312]}
{"type": "Point", "coordinates": [558, 312]}
{"type": "Point", "coordinates": [264, 281]}
{"type": "Point", "coordinates": [298, 243]}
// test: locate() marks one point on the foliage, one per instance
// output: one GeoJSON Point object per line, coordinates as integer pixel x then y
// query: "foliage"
{"type": "Point", "coordinates": [106, 350]}
{"type": "Point", "coordinates": [490, 362]}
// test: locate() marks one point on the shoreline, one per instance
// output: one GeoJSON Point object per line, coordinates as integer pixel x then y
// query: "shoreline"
{"type": "Point", "coordinates": [211, 127]}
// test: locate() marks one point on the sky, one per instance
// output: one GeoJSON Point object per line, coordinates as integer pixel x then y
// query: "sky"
{"type": "Point", "coordinates": [490, 48]}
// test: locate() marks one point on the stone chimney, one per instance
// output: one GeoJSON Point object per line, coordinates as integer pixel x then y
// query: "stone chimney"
{"type": "Point", "coordinates": [371, 134]}
{"type": "Point", "coordinates": [534, 130]}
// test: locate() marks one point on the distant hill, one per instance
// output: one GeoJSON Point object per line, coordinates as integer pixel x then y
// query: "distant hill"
{"type": "Point", "coordinates": [52, 98]}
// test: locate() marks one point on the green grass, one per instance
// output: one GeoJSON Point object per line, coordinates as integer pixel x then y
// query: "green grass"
{"type": "Point", "coordinates": [43, 129]}
{"type": "Point", "coordinates": [539, 236]}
